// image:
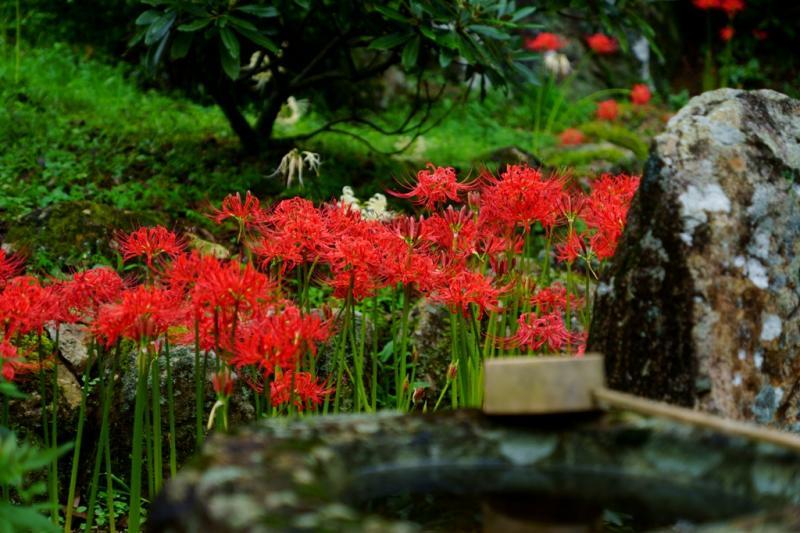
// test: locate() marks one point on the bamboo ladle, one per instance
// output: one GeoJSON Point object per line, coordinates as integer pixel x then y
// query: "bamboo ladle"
{"type": "Point", "coordinates": [558, 384]}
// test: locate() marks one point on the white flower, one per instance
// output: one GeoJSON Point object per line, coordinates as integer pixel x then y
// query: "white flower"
{"type": "Point", "coordinates": [297, 109]}
{"type": "Point", "coordinates": [293, 163]}
{"type": "Point", "coordinates": [556, 63]}
{"type": "Point", "coordinates": [349, 198]}
{"type": "Point", "coordinates": [374, 209]}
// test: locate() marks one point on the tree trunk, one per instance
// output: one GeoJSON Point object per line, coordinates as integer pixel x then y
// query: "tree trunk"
{"type": "Point", "coordinates": [248, 136]}
{"type": "Point", "coordinates": [269, 113]}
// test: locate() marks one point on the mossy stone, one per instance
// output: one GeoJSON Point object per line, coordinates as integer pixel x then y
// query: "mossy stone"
{"type": "Point", "coordinates": [75, 233]}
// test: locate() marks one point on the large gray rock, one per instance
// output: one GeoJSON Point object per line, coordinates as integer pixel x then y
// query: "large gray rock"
{"type": "Point", "coordinates": [700, 305]}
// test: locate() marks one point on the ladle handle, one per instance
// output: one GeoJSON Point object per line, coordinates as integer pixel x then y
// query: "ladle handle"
{"type": "Point", "coordinates": [605, 396]}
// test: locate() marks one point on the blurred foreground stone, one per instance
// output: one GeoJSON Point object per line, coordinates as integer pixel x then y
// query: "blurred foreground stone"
{"type": "Point", "coordinates": [321, 473]}
{"type": "Point", "coordinates": [701, 304]}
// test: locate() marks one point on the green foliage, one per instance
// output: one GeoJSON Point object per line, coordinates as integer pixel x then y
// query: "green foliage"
{"type": "Point", "coordinates": [17, 461]}
{"type": "Point", "coordinates": [618, 135]}
{"type": "Point", "coordinates": [329, 48]}
{"type": "Point", "coordinates": [581, 157]}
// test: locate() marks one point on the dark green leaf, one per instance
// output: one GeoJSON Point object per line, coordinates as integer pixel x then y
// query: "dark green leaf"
{"type": "Point", "coordinates": [241, 23]}
{"type": "Point", "coordinates": [259, 11]}
{"type": "Point", "coordinates": [195, 25]}
{"type": "Point", "coordinates": [230, 64]}
{"type": "Point", "coordinates": [410, 53]}
{"type": "Point", "coordinates": [522, 13]}
{"type": "Point", "coordinates": [230, 41]}
{"type": "Point", "coordinates": [387, 42]}
{"type": "Point", "coordinates": [180, 45]}
{"type": "Point", "coordinates": [159, 28]}
{"type": "Point", "coordinates": [259, 39]}
{"type": "Point", "coordinates": [445, 57]}
{"type": "Point", "coordinates": [489, 31]}
{"type": "Point", "coordinates": [148, 17]}
{"type": "Point", "coordinates": [391, 14]}
{"type": "Point", "coordinates": [159, 51]}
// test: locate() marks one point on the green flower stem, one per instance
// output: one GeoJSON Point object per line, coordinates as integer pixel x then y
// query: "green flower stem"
{"type": "Point", "coordinates": [52, 496]}
{"type": "Point", "coordinates": [155, 395]}
{"type": "Point", "coordinates": [374, 387]}
{"type": "Point", "coordinates": [199, 392]}
{"type": "Point", "coordinates": [173, 455]}
{"type": "Point", "coordinates": [107, 392]}
{"type": "Point", "coordinates": [76, 453]}
{"type": "Point", "coordinates": [401, 358]}
{"type": "Point", "coordinates": [134, 515]}
{"type": "Point", "coordinates": [54, 421]}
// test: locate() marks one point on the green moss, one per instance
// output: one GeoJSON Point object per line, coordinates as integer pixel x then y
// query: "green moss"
{"type": "Point", "coordinates": [74, 233]}
{"type": "Point", "coordinates": [585, 156]}
{"type": "Point", "coordinates": [618, 135]}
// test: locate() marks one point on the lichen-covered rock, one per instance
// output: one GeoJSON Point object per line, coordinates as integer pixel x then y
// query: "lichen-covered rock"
{"type": "Point", "coordinates": [315, 474]}
{"type": "Point", "coordinates": [701, 303]}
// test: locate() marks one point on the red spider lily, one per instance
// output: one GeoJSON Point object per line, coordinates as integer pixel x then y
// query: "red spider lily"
{"type": "Point", "coordinates": [435, 186]}
{"type": "Point", "coordinates": [186, 269]}
{"type": "Point", "coordinates": [602, 44]}
{"type": "Point", "coordinates": [731, 7]}
{"type": "Point", "coordinates": [573, 247]}
{"type": "Point", "coordinates": [707, 4]}
{"type": "Point", "coordinates": [607, 110]}
{"type": "Point", "coordinates": [571, 136]}
{"type": "Point", "coordinates": [301, 387]}
{"type": "Point", "coordinates": [607, 211]}
{"type": "Point", "coordinates": [247, 213]}
{"type": "Point", "coordinates": [296, 233]}
{"type": "Point", "coordinates": [463, 288]}
{"type": "Point", "coordinates": [232, 285]}
{"type": "Point", "coordinates": [150, 243]}
{"type": "Point", "coordinates": [222, 383]}
{"type": "Point", "coordinates": [26, 306]}
{"type": "Point", "coordinates": [407, 261]}
{"type": "Point", "coordinates": [534, 332]}
{"type": "Point", "coordinates": [222, 297]}
{"type": "Point", "coordinates": [8, 355]}
{"type": "Point", "coordinates": [455, 231]}
{"type": "Point", "coordinates": [355, 263]}
{"type": "Point", "coordinates": [545, 41]}
{"type": "Point", "coordinates": [553, 299]}
{"type": "Point", "coordinates": [143, 313]}
{"type": "Point", "coordinates": [9, 266]}
{"type": "Point", "coordinates": [280, 338]}
{"type": "Point", "coordinates": [726, 33]}
{"type": "Point", "coordinates": [640, 94]}
{"type": "Point", "coordinates": [81, 297]}
{"type": "Point", "coordinates": [521, 197]}
{"type": "Point", "coordinates": [571, 204]}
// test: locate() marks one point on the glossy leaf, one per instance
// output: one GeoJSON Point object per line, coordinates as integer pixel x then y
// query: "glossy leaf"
{"type": "Point", "coordinates": [259, 11]}
{"type": "Point", "coordinates": [411, 53]}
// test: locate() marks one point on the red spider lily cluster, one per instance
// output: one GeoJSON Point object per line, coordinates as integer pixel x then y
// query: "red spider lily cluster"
{"type": "Point", "coordinates": [471, 249]}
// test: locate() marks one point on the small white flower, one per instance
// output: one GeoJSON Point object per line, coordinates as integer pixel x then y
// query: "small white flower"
{"type": "Point", "coordinates": [296, 109]}
{"type": "Point", "coordinates": [293, 163]}
{"type": "Point", "coordinates": [348, 198]}
{"type": "Point", "coordinates": [556, 63]}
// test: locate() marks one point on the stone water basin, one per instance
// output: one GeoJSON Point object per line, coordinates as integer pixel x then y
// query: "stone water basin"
{"type": "Point", "coordinates": [462, 471]}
